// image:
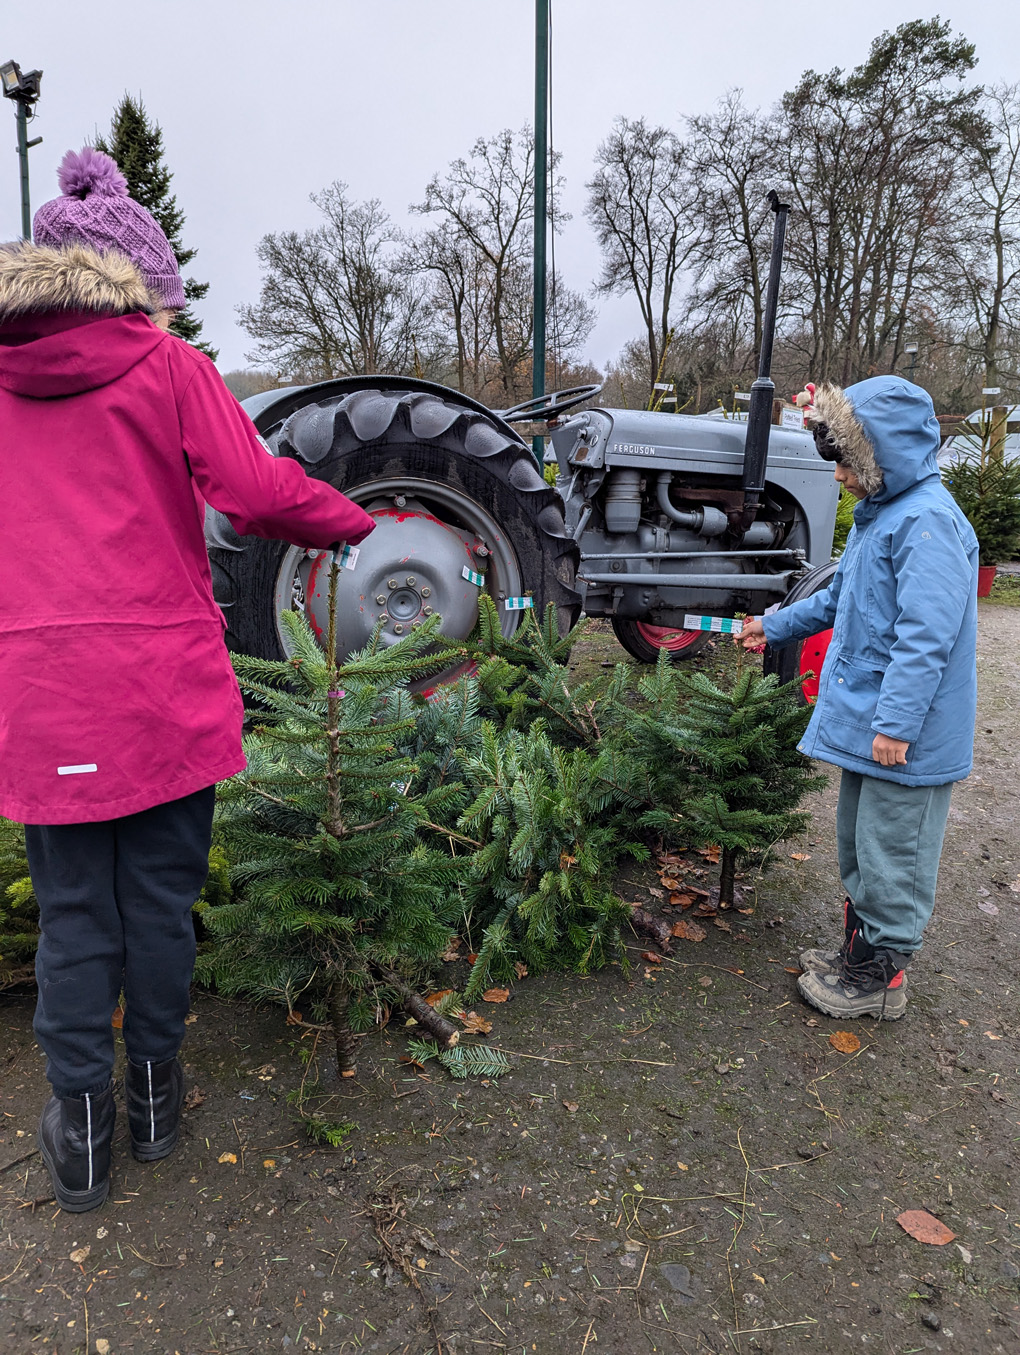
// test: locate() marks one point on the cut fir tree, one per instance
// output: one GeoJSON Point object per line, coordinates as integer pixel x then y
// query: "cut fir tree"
{"type": "Point", "coordinates": [745, 775]}
{"type": "Point", "coordinates": [337, 899]}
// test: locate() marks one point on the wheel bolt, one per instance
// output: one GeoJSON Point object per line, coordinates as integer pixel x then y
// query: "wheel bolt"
{"type": "Point", "coordinates": [410, 580]}
{"type": "Point", "coordinates": [427, 611]}
{"type": "Point", "coordinates": [426, 592]}
{"type": "Point", "coordinates": [398, 629]}
{"type": "Point", "coordinates": [381, 599]}
{"type": "Point", "coordinates": [391, 583]}
{"type": "Point", "coordinates": [399, 500]}
{"type": "Point", "coordinates": [481, 550]}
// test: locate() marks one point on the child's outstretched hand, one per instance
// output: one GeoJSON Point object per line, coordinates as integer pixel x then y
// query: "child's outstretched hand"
{"type": "Point", "coordinates": [752, 637]}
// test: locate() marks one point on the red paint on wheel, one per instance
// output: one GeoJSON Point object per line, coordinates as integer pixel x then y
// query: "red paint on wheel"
{"type": "Point", "coordinates": [812, 657]}
{"type": "Point", "coordinates": [667, 637]}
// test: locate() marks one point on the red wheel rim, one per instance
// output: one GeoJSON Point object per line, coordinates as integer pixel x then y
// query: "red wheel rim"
{"type": "Point", "coordinates": [812, 656]}
{"type": "Point", "coordinates": [667, 637]}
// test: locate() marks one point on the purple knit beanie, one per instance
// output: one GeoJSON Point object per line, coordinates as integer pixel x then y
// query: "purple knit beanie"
{"type": "Point", "coordinates": [95, 210]}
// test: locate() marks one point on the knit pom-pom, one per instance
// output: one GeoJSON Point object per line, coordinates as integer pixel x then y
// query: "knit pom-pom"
{"type": "Point", "coordinates": [90, 171]}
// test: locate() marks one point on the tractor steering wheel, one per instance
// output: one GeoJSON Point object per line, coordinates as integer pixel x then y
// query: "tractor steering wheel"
{"type": "Point", "coordinates": [547, 407]}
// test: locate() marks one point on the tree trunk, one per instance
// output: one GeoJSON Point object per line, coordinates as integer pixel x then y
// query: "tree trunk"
{"type": "Point", "coordinates": [727, 877]}
{"type": "Point", "coordinates": [444, 1032]}
{"type": "Point", "coordinates": [346, 1040]}
{"type": "Point", "coordinates": [656, 927]}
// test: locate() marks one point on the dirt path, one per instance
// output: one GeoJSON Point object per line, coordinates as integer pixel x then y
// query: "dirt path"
{"type": "Point", "coordinates": [685, 1163]}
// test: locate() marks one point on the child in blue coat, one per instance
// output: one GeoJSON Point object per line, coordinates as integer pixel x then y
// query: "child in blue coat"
{"type": "Point", "coordinates": [898, 692]}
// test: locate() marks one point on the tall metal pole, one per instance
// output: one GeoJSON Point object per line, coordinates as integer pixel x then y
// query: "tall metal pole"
{"type": "Point", "coordinates": [541, 204]}
{"type": "Point", "coordinates": [21, 113]}
{"type": "Point", "coordinates": [759, 414]}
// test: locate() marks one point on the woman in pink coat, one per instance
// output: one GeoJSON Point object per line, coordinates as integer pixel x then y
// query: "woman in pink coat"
{"type": "Point", "coordinates": [119, 710]}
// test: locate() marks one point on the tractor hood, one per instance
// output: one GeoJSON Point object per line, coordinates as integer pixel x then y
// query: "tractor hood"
{"type": "Point", "coordinates": [711, 443]}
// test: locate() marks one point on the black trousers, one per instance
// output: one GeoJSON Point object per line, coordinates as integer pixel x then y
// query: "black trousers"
{"type": "Point", "coordinates": [115, 904]}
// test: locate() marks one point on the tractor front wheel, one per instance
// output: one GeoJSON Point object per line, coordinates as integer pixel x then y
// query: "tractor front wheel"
{"type": "Point", "coordinates": [645, 642]}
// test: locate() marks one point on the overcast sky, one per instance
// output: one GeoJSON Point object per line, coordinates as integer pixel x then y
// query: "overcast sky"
{"type": "Point", "coordinates": [262, 103]}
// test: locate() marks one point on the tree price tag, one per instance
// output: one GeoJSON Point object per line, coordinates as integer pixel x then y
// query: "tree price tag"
{"type": "Point", "coordinates": [472, 577]}
{"type": "Point", "coordinates": [348, 557]}
{"type": "Point", "coordinates": [727, 625]}
{"type": "Point", "coordinates": [518, 604]}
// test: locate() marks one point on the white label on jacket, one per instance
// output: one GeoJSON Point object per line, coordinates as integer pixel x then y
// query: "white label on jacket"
{"type": "Point", "coordinates": [74, 771]}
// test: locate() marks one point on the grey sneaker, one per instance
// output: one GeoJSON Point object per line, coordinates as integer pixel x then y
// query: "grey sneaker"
{"type": "Point", "coordinates": [870, 984]}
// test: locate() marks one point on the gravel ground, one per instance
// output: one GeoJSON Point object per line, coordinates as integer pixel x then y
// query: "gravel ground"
{"type": "Point", "coordinates": [682, 1162]}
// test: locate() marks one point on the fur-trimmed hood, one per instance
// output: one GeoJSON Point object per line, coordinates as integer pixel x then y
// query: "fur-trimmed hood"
{"type": "Point", "coordinates": [71, 320]}
{"type": "Point", "coordinates": [38, 279]}
{"type": "Point", "coordinates": [886, 430]}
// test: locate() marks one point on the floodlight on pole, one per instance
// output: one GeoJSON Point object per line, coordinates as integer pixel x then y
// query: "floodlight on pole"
{"type": "Point", "coordinates": [23, 89]}
{"type": "Point", "coordinates": [911, 349]}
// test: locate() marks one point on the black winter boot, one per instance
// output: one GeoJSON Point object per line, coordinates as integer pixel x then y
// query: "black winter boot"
{"type": "Point", "coordinates": [154, 1093]}
{"type": "Point", "coordinates": [75, 1133]}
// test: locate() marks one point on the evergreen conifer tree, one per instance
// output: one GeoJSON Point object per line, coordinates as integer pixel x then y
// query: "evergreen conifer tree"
{"type": "Point", "coordinates": [338, 898]}
{"type": "Point", "coordinates": [745, 773]}
{"type": "Point", "coordinates": [136, 143]}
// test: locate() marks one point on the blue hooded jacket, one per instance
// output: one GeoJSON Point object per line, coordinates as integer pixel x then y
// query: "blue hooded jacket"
{"type": "Point", "coordinates": [903, 603]}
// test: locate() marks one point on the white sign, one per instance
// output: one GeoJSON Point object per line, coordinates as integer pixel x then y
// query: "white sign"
{"type": "Point", "coordinates": [991, 390]}
{"type": "Point", "coordinates": [727, 625]}
{"type": "Point", "coordinates": [792, 418]}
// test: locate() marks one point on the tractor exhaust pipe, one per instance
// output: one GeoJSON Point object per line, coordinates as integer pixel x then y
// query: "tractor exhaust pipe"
{"type": "Point", "coordinates": [759, 416]}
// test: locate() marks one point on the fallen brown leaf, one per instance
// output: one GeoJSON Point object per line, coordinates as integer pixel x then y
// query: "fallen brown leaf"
{"type": "Point", "coordinates": [712, 853]}
{"type": "Point", "coordinates": [433, 998]}
{"type": "Point", "coordinates": [722, 924]}
{"type": "Point", "coordinates": [705, 981]}
{"type": "Point", "coordinates": [800, 856]}
{"type": "Point", "coordinates": [668, 882]}
{"type": "Point", "coordinates": [688, 931]}
{"type": "Point", "coordinates": [475, 1024]}
{"type": "Point", "coordinates": [651, 957]}
{"type": "Point", "coordinates": [450, 953]}
{"type": "Point", "coordinates": [295, 1019]}
{"type": "Point", "coordinates": [227, 1157]}
{"type": "Point", "coordinates": [194, 1099]}
{"type": "Point", "coordinates": [117, 1019]}
{"type": "Point", "coordinates": [572, 1106]}
{"type": "Point", "coordinates": [793, 969]}
{"type": "Point", "coordinates": [657, 893]}
{"type": "Point", "coordinates": [496, 995]}
{"type": "Point", "coordinates": [683, 900]}
{"type": "Point", "coordinates": [925, 1227]}
{"type": "Point", "coordinates": [705, 910]}
{"type": "Point", "coordinates": [521, 969]}
{"type": "Point", "coordinates": [845, 1041]}
{"type": "Point", "coordinates": [191, 1018]}
{"type": "Point", "coordinates": [992, 1035]}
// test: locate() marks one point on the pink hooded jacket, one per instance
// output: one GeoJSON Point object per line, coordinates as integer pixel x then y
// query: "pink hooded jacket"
{"type": "Point", "coordinates": [116, 689]}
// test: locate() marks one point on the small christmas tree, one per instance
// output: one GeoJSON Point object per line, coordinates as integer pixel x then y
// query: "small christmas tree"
{"type": "Point", "coordinates": [136, 143]}
{"type": "Point", "coordinates": [337, 897]}
{"type": "Point", "coordinates": [745, 773]}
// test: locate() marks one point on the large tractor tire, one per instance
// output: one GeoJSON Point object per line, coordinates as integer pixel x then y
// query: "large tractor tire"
{"type": "Point", "coordinates": [644, 642]}
{"type": "Point", "coordinates": [459, 503]}
{"type": "Point", "coordinates": [804, 658]}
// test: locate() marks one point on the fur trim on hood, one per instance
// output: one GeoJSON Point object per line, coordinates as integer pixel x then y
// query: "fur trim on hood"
{"type": "Point", "coordinates": [38, 279]}
{"type": "Point", "coordinates": [833, 409]}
